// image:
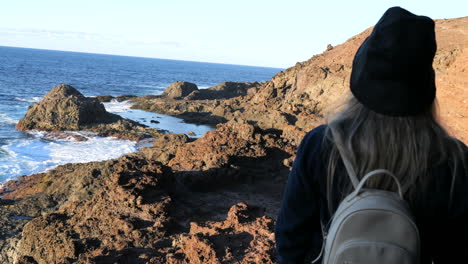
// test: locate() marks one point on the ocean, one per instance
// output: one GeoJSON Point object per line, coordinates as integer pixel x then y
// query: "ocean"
{"type": "Point", "coordinates": [26, 75]}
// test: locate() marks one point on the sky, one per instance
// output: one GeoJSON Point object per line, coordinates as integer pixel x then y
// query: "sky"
{"type": "Point", "coordinates": [248, 32]}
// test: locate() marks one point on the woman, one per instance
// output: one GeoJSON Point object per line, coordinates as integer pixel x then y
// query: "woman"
{"type": "Point", "coordinates": [389, 123]}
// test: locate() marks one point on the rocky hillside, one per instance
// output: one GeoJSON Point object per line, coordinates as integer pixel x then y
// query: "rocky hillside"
{"type": "Point", "coordinates": [303, 95]}
{"type": "Point", "coordinates": [321, 82]}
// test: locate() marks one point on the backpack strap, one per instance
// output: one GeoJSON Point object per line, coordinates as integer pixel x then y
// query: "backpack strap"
{"type": "Point", "coordinates": [358, 184]}
{"type": "Point", "coordinates": [349, 167]}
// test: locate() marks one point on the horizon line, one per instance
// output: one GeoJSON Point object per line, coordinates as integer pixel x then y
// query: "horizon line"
{"type": "Point", "coordinates": [133, 56]}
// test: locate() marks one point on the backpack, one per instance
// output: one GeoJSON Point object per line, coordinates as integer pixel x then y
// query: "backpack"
{"type": "Point", "coordinates": [371, 226]}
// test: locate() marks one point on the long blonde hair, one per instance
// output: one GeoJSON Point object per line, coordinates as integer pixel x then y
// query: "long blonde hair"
{"type": "Point", "coordinates": [407, 146]}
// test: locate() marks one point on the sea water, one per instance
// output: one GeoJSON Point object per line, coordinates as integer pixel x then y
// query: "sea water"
{"type": "Point", "coordinates": [26, 75]}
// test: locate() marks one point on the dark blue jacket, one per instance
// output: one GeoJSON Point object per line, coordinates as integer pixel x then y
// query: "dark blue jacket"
{"type": "Point", "coordinates": [443, 231]}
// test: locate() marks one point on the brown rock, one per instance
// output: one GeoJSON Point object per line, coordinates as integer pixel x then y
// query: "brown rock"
{"type": "Point", "coordinates": [179, 89]}
{"type": "Point", "coordinates": [224, 90]}
{"type": "Point", "coordinates": [64, 108]}
{"type": "Point", "coordinates": [26, 260]}
{"type": "Point", "coordinates": [125, 97]}
{"type": "Point", "coordinates": [164, 147]}
{"type": "Point", "coordinates": [244, 237]}
{"type": "Point", "coordinates": [129, 211]}
{"type": "Point", "coordinates": [105, 98]}
{"type": "Point", "coordinates": [215, 148]}
{"type": "Point", "coordinates": [235, 153]}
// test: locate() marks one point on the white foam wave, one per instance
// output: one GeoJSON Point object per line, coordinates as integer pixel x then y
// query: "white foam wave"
{"type": "Point", "coordinates": [5, 119]}
{"type": "Point", "coordinates": [34, 154]}
{"type": "Point", "coordinates": [115, 106]}
{"type": "Point", "coordinates": [94, 149]}
{"type": "Point", "coordinates": [29, 100]}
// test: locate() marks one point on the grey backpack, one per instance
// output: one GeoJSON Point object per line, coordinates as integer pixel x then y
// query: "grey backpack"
{"type": "Point", "coordinates": [371, 226]}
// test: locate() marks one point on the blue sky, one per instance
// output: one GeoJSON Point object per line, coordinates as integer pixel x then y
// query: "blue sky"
{"type": "Point", "coordinates": [249, 32]}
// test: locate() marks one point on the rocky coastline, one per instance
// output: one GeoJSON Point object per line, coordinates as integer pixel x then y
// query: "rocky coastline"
{"type": "Point", "coordinates": [183, 200]}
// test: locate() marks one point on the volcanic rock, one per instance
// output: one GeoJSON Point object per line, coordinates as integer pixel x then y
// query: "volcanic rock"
{"type": "Point", "coordinates": [215, 148]}
{"type": "Point", "coordinates": [104, 98]}
{"type": "Point", "coordinates": [128, 211]}
{"type": "Point", "coordinates": [244, 237]}
{"type": "Point", "coordinates": [109, 98]}
{"type": "Point", "coordinates": [165, 147]}
{"type": "Point", "coordinates": [65, 108]}
{"type": "Point", "coordinates": [124, 97]}
{"type": "Point", "coordinates": [236, 152]}
{"type": "Point", "coordinates": [26, 260]}
{"type": "Point", "coordinates": [305, 94]}
{"type": "Point", "coordinates": [136, 210]}
{"type": "Point", "coordinates": [224, 90]}
{"type": "Point", "coordinates": [179, 89]}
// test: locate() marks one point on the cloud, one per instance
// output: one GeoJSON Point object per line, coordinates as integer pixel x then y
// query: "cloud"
{"type": "Point", "coordinates": [33, 33]}
{"type": "Point", "coordinates": [50, 33]}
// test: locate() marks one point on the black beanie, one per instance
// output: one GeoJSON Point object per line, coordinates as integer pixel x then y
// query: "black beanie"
{"type": "Point", "coordinates": [392, 70]}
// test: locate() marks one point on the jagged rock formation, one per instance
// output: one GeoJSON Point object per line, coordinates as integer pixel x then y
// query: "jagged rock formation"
{"type": "Point", "coordinates": [244, 237]}
{"type": "Point", "coordinates": [165, 147]}
{"type": "Point", "coordinates": [179, 89]}
{"type": "Point", "coordinates": [127, 214]}
{"type": "Point", "coordinates": [224, 90]}
{"type": "Point", "coordinates": [65, 108]}
{"type": "Point", "coordinates": [137, 210]}
{"type": "Point", "coordinates": [108, 98]}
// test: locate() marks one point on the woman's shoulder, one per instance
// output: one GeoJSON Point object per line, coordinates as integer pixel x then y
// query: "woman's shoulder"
{"type": "Point", "coordinates": [311, 145]}
{"type": "Point", "coordinates": [461, 145]}
{"type": "Point", "coordinates": [316, 134]}
{"type": "Point", "coordinates": [461, 150]}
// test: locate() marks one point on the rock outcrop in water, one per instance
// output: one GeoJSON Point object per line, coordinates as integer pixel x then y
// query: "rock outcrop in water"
{"type": "Point", "coordinates": [209, 200]}
{"type": "Point", "coordinates": [224, 90]}
{"type": "Point", "coordinates": [179, 89]}
{"type": "Point", "coordinates": [65, 109]}
{"type": "Point", "coordinates": [189, 91]}
{"type": "Point", "coordinates": [109, 98]}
